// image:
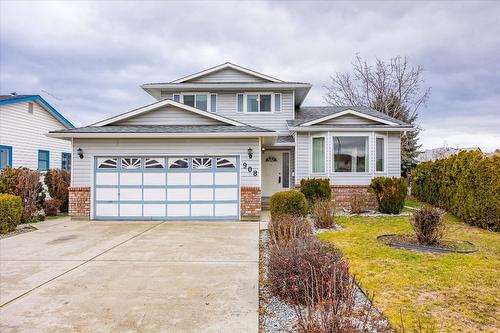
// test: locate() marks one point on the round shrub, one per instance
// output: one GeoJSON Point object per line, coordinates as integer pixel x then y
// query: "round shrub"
{"type": "Point", "coordinates": [428, 225]}
{"type": "Point", "coordinates": [305, 264]}
{"type": "Point", "coordinates": [390, 193]}
{"type": "Point", "coordinates": [288, 203]}
{"type": "Point", "coordinates": [284, 228]}
{"type": "Point", "coordinates": [11, 210]}
{"type": "Point", "coordinates": [314, 189]}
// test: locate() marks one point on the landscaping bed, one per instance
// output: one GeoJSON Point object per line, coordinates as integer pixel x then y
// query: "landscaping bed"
{"type": "Point", "coordinates": [21, 229]}
{"type": "Point", "coordinates": [410, 242]}
{"type": "Point", "coordinates": [437, 292]}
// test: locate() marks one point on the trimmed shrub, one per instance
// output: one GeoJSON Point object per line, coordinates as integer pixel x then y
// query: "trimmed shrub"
{"type": "Point", "coordinates": [358, 202]}
{"type": "Point", "coordinates": [322, 213]}
{"type": "Point", "coordinates": [467, 185]}
{"type": "Point", "coordinates": [315, 189]}
{"type": "Point", "coordinates": [51, 207]}
{"type": "Point", "coordinates": [288, 203]}
{"type": "Point", "coordinates": [304, 263]}
{"type": "Point", "coordinates": [284, 228]}
{"type": "Point", "coordinates": [428, 225]}
{"type": "Point", "coordinates": [58, 182]}
{"type": "Point", "coordinates": [390, 193]}
{"type": "Point", "coordinates": [11, 210]}
{"type": "Point", "coordinates": [24, 183]}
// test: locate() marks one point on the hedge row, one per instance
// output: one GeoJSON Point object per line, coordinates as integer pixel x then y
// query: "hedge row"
{"type": "Point", "coordinates": [467, 185]}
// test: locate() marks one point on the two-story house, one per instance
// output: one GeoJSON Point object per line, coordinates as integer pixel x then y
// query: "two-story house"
{"type": "Point", "coordinates": [216, 142]}
{"type": "Point", "coordinates": [24, 123]}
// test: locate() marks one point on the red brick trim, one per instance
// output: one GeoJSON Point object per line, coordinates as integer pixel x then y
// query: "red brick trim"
{"type": "Point", "coordinates": [250, 202]}
{"type": "Point", "coordinates": [79, 202]}
{"type": "Point", "coordinates": [341, 195]}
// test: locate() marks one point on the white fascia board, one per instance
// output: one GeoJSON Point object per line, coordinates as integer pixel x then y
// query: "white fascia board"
{"type": "Point", "coordinates": [161, 135]}
{"type": "Point", "coordinates": [163, 103]}
{"type": "Point", "coordinates": [356, 113]}
{"type": "Point", "coordinates": [224, 66]}
{"type": "Point", "coordinates": [349, 129]}
{"type": "Point", "coordinates": [225, 86]}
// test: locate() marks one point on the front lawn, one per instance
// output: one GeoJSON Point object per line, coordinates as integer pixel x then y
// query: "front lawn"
{"type": "Point", "coordinates": [450, 292]}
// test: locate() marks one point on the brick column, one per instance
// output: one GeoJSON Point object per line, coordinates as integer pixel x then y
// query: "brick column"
{"type": "Point", "coordinates": [79, 202]}
{"type": "Point", "coordinates": [341, 195]}
{"type": "Point", "coordinates": [250, 203]}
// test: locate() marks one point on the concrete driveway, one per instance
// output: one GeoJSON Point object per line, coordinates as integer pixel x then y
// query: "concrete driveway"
{"type": "Point", "coordinates": [130, 277]}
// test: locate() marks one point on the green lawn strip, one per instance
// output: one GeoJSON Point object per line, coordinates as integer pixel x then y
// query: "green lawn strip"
{"type": "Point", "coordinates": [453, 292]}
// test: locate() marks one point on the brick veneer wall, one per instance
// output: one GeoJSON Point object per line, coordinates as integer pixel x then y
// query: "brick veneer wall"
{"type": "Point", "coordinates": [250, 202]}
{"type": "Point", "coordinates": [79, 202]}
{"type": "Point", "coordinates": [341, 194]}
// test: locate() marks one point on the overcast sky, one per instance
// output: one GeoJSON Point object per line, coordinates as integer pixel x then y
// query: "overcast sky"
{"type": "Point", "coordinates": [88, 59]}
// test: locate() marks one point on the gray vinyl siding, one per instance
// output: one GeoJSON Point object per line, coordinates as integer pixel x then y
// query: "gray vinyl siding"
{"type": "Point", "coordinates": [225, 76]}
{"type": "Point", "coordinates": [169, 116]}
{"type": "Point", "coordinates": [83, 171]}
{"type": "Point", "coordinates": [349, 119]}
{"type": "Point", "coordinates": [26, 133]}
{"type": "Point", "coordinates": [276, 121]}
{"type": "Point", "coordinates": [303, 159]}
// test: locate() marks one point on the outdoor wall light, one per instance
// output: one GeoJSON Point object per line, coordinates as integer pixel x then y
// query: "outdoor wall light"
{"type": "Point", "coordinates": [250, 153]}
{"type": "Point", "coordinates": [80, 152]}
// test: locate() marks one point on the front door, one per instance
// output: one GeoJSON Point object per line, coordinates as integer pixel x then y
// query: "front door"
{"type": "Point", "coordinates": [275, 171]}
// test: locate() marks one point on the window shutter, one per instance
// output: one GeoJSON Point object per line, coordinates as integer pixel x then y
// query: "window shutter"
{"type": "Point", "coordinates": [240, 102]}
{"type": "Point", "coordinates": [213, 103]}
{"type": "Point", "coordinates": [277, 102]}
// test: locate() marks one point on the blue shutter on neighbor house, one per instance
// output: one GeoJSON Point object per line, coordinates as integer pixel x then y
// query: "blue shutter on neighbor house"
{"type": "Point", "coordinates": [213, 103]}
{"type": "Point", "coordinates": [240, 102]}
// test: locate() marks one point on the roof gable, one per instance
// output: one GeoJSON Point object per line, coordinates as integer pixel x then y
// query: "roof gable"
{"type": "Point", "coordinates": [9, 99]}
{"type": "Point", "coordinates": [227, 72]}
{"type": "Point", "coordinates": [349, 117]}
{"type": "Point", "coordinates": [163, 107]}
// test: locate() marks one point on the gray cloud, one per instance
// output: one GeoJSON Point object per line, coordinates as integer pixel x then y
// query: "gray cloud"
{"type": "Point", "coordinates": [94, 55]}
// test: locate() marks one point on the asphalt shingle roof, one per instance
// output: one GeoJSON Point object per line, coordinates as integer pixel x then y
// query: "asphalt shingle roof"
{"type": "Point", "coordinates": [11, 97]}
{"type": "Point", "coordinates": [165, 129]}
{"type": "Point", "coordinates": [309, 113]}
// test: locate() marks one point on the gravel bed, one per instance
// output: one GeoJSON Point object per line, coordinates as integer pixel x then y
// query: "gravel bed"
{"type": "Point", "coordinates": [21, 229]}
{"type": "Point", "coordinates": [370, 213]}
{"type": "Point", "coordinates": [277, 316]}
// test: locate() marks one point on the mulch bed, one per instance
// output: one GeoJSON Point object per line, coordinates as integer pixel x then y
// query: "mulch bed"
{"type": "Point", "coordinates": [409, 242]}
{"type": "Point", "coordinates": [21, 229]}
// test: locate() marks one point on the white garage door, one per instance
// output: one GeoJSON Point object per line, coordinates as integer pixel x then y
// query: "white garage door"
{"type": "Point", "coordinates": [165, 187]}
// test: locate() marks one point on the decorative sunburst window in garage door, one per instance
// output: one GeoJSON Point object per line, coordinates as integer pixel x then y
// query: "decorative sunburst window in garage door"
{"type": "Point", "coordinates": [107, 163]}
{"type": "Point", "coordinates": [178, 163]}
{"type": "Point", "coordinates": [202, 163]}
{"type": "Point", "coordinates": [131, 163]}
{"type": "Point", "coordinates": [154, 163]}
{"type": "Point", "coordinates": [226, 162]}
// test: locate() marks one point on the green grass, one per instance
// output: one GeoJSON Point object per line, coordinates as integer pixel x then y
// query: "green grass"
{"type": "Point", "coordinates": [56, 217]}
{"type": "Point", "coordinates": [452, 292]}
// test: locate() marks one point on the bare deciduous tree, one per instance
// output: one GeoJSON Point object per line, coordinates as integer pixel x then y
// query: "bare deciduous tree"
{"type": "Point", "coordinates": [394, 87]}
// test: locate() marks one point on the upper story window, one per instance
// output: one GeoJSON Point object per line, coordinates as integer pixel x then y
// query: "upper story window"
{"type": "Point", "coordinates": [199, 101]}
{"type": "Point", "coordinates": [350, 153]}
{"type": "Point", "coordinates": [5, 157]}
{"type": "Point", "coordinates": [261, 102]}
{"type": "Point", "coordinates": [43, 160]}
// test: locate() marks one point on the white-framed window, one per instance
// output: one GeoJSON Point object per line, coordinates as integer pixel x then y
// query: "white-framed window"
{"type": "Point", "coordinates": [260, 102]}
{"type": "Point", "coordinates": [213, 102]}
{"type": "Point", "coordinates": [196, 100]}
{"type": "Point", "coordinates": [350, 153]}
{"type": "Point", "coordinates": [177, 98]}
{"type": "Point", "coordinates": [380, 153]}
{"type": "Point", "coordinates": [318, 153]}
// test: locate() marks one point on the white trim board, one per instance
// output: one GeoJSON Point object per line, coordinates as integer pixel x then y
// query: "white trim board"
{"type": "Point", "coordinates": [355, 113]}
{"type": "Point", "coordinates": [224, 66]}
{"type": "Point", "coordinates": [163, 103]}
{"type": "Point", "coordinates": [163, 135]}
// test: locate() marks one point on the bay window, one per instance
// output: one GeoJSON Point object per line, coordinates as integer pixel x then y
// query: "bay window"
{"type": "Point", "coordinates": [350, 153]}
{"type": "Point", "coordinates": [318, 154]}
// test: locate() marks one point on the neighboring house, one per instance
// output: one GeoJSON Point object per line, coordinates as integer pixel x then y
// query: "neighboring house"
{"type": "Point", "coordinates": [441, 153]}
{"type": "Point", "coordinates": [218, 141]}
{"type": "Point", "coordinates": [24, 123]}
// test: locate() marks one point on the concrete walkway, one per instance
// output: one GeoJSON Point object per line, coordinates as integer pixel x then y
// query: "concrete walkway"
{"type": "Point", "coordinates": [130, 277]}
